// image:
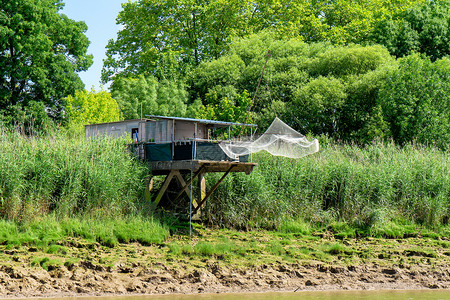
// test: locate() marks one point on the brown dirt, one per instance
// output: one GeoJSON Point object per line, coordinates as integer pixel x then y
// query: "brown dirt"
{"type": "Point", "coordinates": [85, 278]}
{"type": "Point", "coordinates": [92, 269]}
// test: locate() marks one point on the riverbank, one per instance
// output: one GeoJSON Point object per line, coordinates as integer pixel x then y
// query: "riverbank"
{"type": "Point", "coordinates": [219, 260]}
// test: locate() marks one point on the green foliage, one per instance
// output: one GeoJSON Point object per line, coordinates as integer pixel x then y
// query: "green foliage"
{"type": "Point", "coordinates": [240, 70]}
{"type": "Point", "coordinates": [416, 103]}
{"type": "Point", "coordinates": [350, 60]}
{"type": "Point", "coordinates": [315, 88]}
{"type": "Point", "coordinates": [342, 230]}
{"type": "Point", "coordinates": [218, 249]}
{"type": "Point", "coordinates": [225, 109]}
{"type": "Point", "coordinates": [423, 27]}
{"type": "Point", "coordinates": [42, 51]}
{"type": "Point", "coordinates": [187, 32]}
{"type": "Point", "coordinates": [46, 263]}
{"type": "Point", "coordinates": [343, 22]}
{"type": "Point", "coordinates": [67, 175]}
{"type": "Point", "coordinates": [29, 119]}
{"type": "Point", "coordinates": [395, 230]}
{"type": "Point", "coordinates": [335, 249]}
{"type": "Point", "coordinates": [317, 105]}
{"type": "Point", "coordinates": [164, 97]}
{"type": "Point", "coordinates": [90, 107]}
{"type": "Point", "coordinates": [175, 248]}
{"type": "Point", "coordinates": [47, 230]}
{"type": "Point", "coordinates": [298, 227]}
{"type": "Point", "coordinates": [363, 189]}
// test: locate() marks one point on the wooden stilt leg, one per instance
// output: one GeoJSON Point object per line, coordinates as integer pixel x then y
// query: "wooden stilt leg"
{"type": "Point", "coordinates": [201, 188]}
{"type": "Point", "coordinates": [184, 189]}
{"type": "Point", "coordinates": [164, 187]}
{"type": "Point", "coordinates": [186, 186]}
{"type": "Point", "coordinates": [148, 189]}
{"type": "Point", "coordinates": [213, 189]}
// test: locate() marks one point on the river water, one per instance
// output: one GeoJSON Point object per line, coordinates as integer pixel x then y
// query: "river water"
{"type": "Point", "coordinates": [326, 295]}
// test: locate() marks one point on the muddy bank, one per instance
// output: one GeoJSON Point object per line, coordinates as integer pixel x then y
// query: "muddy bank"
{"type": "Point", "coordinates": [85, 278]}
{"type": "Point", "coordinates": [224, 261]}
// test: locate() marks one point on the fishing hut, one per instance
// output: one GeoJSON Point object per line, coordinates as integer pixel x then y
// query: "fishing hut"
{"type": "Point", "coordinates": [183, 150]}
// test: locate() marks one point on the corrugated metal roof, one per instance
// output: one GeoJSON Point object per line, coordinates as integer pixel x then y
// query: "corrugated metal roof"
{"type": "Point", "coordinates": [202, 121]}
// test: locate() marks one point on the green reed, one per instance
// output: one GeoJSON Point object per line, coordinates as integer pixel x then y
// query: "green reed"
{"type": "Point", "coordinates": [367, 187]}
{"type": "Point", "coordinates": [67, 176]}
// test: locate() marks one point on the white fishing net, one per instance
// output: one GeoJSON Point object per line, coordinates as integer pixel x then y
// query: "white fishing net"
{"type": "Point", "coordinates": [279, 140]}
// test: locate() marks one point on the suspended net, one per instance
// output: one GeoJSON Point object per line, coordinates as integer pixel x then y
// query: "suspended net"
{"type": "Point", "coordinates": [279, 140]}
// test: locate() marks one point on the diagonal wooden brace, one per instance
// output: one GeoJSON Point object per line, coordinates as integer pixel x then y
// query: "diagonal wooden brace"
{"type": "Point", "coordinates": [212, 190]}
{"type": "Point", "coordinates": [183, 184]}
{"type": "Point", "coordinates": [164, 187]}
{"type": "Point", "coordinates": [186, 186]}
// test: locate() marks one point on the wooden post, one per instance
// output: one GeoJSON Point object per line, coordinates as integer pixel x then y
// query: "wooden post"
{"type": "Point", "coordinates": [186, 186]}
{"type": "Point", "coordinates": [148, 189]}
{"type": "Point", "coordinates": [201, 188]}
{"type": "Point", "coordinates": [213, 189]}
{"type": "Point", "coordinates": [164, 187]}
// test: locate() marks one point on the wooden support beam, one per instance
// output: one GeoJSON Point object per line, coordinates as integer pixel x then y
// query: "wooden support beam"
{"type": "Point", "coordinates": [201, 194]}
{"type": "Point", "coordinates": [183, 184]}
{"type": "Point", "coordinates": [164, 186]}
{"type": "Point", "coordinates": [186, 186]}
{"type": "Point", "coordinates": [201, 187]}
{"type": "Point", "coordinates": [212, 189]}
{"type": "Point", "coordinates": [148, 188]}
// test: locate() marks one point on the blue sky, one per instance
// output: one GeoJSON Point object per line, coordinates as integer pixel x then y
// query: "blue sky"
{"type": "Point", "coordinates": [100, 17]}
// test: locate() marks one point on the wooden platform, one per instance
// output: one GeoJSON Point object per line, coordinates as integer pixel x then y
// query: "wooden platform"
{"type": "Point", "coordinates": [207, 166]}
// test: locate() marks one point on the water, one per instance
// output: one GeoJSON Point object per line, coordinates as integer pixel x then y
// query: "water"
{"type": "Point", "coordinates": [326, 295]}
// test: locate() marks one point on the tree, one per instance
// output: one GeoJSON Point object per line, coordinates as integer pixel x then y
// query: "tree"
{"type": "Point", "coordinates": [183, 31]}
{"type": "Point", "coordinates": [313, 87]}
{"type": "Point", "coordinates": [343, 22]}
{"type": "Point", "coordinates": [164, 97]}
{"type": "Point", "coordinates": [422, 28]}
{"type": "Point", "coordinates": [318, 104]}
{"type": "Point", "coordinates": [41, 52]}
{"type": "Point", "coordinates": [416, 103]}
{"type": "Point", "coordinates": [91, 107]}
{"type": "Point", "coordinates": [362, 70]}
{"type": "Point", "coordinates": [188, 32]}
{"type": "Point", "coordinates": [31, 119]}
{"type": "Point", "coordinates": [225, 109]}
{"type": "Point", "coordinates": [240, 69]}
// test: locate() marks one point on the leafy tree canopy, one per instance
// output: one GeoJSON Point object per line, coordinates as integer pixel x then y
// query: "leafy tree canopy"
{"type": "Point", "coordinates": [41, 52]}
{"type": "Point", "coordinates": [170, 37]}
{"type": "Point", "coordinates": [416, 103]}
{"type": "Point", "coordinates": [162, 97]}
{"type": "Point", "coordinates": [31, 119]}
{"type": "Point", "coordinates": [315, 87]}
{"type": "Point", "coordinates": [423, 28]}
{"type": "Point", "coordinates": [91, 107]}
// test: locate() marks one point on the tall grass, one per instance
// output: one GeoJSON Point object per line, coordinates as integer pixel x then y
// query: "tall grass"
{"type": "Point", "coordinates": [67, 176]}
{"type": "Point", "coordinates": [365, 187]}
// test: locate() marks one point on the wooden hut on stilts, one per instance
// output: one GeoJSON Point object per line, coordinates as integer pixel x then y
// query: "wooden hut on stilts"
{"type": "Point", "coordinates": [183, 150]}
